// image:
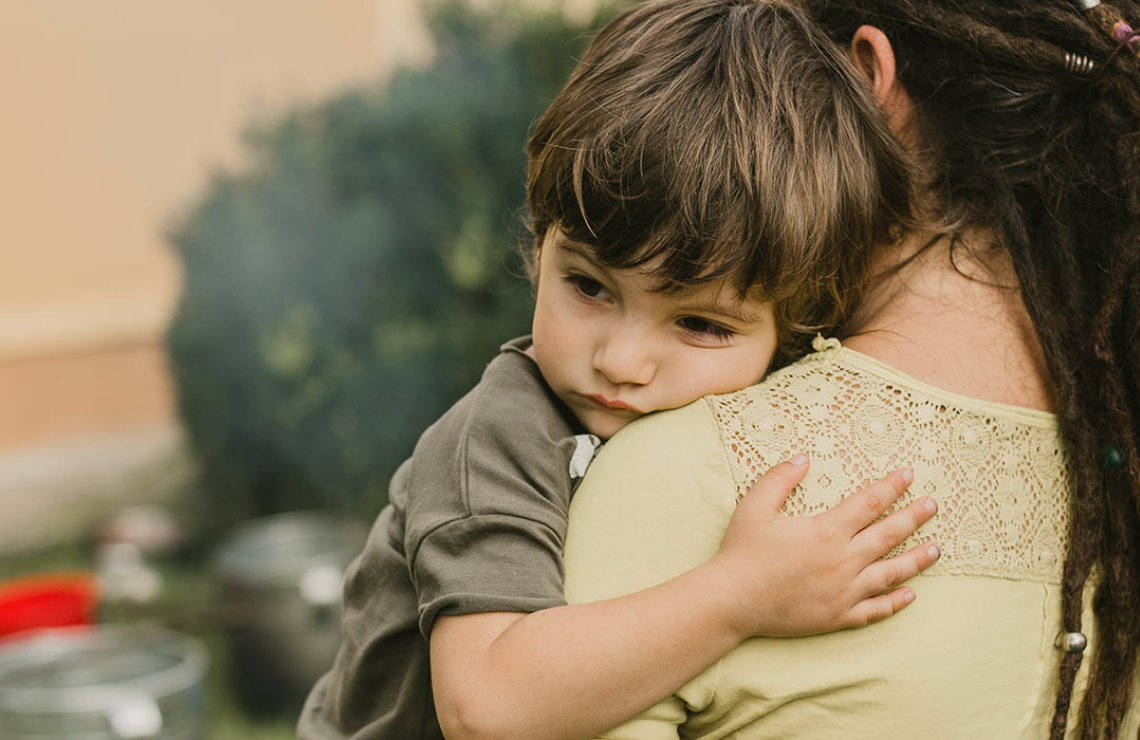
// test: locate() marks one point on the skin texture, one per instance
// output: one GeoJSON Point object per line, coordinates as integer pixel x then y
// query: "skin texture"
{"type": "Point", "coordinates": [608, 334]}
{"type": "Point", "coordinates": [614, 349]}
{"type": "Point", "coordinates": [964, 330]}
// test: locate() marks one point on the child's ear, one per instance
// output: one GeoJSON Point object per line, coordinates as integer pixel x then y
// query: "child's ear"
{"type": "Point", "coordinates": [874, 58]}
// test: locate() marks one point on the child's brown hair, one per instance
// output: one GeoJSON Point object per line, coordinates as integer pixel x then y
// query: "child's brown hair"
{"type": "Point", "coordinates": [723, 139]}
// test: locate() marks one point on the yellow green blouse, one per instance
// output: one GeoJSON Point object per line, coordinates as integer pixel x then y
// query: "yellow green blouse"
{"type": "Point", "coordinates": [974, 657]}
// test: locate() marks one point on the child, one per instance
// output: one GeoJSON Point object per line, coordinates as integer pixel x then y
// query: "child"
{"type": "Point", "coordinates": [703, 192]}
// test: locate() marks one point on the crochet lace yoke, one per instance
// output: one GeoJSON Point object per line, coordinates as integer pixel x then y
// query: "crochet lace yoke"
{"type": "Point", "coordinates": [998, 472]}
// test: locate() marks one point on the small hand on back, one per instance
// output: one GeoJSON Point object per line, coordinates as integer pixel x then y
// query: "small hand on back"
{"type": "Point", "coordinates": [788, 575]}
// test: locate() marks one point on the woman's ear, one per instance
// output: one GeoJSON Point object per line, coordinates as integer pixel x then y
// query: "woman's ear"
{"type": "Point", "coordinates": [874, 58]}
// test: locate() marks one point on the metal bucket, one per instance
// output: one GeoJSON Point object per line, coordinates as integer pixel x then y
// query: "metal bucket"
{"type": "Point", "coordinates": [282, 579]}
{"type": "Point", "coordinates": [110, 683]}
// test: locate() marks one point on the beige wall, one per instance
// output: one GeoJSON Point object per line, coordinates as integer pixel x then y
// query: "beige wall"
{"type": "Point", "coordinates": [114, 114]}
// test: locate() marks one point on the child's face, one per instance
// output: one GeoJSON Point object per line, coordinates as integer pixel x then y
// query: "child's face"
{"type": "Point", "coordinates": [612, 349]}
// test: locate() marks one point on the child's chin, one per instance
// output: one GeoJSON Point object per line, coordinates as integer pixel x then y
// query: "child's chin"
{"type": "Point", "coordinates": [606, 427]}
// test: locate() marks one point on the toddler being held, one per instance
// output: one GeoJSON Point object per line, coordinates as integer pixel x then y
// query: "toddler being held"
{"type": "Point", "coordinates": [704, 194]}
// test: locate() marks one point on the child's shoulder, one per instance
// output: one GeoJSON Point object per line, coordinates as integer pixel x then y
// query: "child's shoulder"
{"type": "Point", "coordinates": [511, 409]}
{"type": "Point", "coordinates": [506, 446]}
{"type": "Point", "coordinates": [511, 391]}
{"type": "Point", "coordinates": [514, 369]}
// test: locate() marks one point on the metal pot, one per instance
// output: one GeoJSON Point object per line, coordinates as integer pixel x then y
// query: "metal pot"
{"type": "Point", "coordinates": [282, 579]}
{"type": "Point", "coordinates": [109, 683]}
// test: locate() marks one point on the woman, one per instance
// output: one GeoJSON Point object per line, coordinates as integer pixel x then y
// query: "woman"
{"type": "Point", "coordinates": [997, 352]}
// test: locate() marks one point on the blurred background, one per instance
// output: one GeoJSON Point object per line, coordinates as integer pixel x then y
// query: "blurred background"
{"type": "Point", "coordinates": [249, 251]}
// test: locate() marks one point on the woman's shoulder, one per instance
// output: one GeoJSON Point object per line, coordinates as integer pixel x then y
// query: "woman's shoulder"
{"type": "Point", "coordinates": [833, 383]}
{"type": "Point", "coordinates": [810, 376]}
{"type": "Point", "coordinates": [810, 397]}
{"type": "Point", "coordinates": [836, 398]}
{"type": "Point", "coordinates": [656, 500]}
{"type": "Point", "coordinates": [678, 438]}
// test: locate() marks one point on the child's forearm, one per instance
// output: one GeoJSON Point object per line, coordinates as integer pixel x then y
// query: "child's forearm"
{"type": "Point", "coordinates": [575, 671]}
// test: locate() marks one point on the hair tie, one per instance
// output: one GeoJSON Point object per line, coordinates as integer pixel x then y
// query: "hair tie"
{"type": "Point", "coordinates": [1116, 27]}
{"type": "Point", "coordinates": [1124, 36]}
{"type": "Point", "coordinates": [1075, 64]}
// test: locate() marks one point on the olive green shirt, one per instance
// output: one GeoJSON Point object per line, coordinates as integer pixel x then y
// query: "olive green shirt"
{"type": "Point", "coordinates": [476, 523]}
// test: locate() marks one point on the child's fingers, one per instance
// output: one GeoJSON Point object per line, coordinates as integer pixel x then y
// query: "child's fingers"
{"type": "Point", "coordinates": [860, 509]}
{"type": "Point", "coordinates": [878, 608]}
{"type": "Point", "coordinates": [880, 537]}
{"type": "Point", "coordinates": [774, 487]}
{"type": "Point", "coordinates": [884, 575]}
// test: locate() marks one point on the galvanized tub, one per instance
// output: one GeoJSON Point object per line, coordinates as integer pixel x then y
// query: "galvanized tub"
{"type": "Point", "coordinates": [108, 683]}
{"type": "Point", "coordinates": [282, 582]}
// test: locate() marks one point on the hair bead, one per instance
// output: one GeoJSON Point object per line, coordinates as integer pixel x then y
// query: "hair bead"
{"type": "Point", "coordinates": [1112, 457]}
{"type": "Point", "coordinates": [1072, 642]}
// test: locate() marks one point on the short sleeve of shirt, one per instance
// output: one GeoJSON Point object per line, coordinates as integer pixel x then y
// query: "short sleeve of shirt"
{"type": "Point", "coordinates": [487, 496]}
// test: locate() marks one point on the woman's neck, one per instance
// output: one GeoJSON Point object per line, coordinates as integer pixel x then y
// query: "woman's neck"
{"type": "Point", "coordinates": [958, 325]}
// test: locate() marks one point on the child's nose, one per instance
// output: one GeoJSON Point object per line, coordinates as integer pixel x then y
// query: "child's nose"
{"type": "Point", "coordinates": [626, 359]}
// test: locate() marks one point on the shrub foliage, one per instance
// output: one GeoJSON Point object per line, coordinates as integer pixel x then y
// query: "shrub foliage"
{"type": "Point", "coordinates": [352, 283]}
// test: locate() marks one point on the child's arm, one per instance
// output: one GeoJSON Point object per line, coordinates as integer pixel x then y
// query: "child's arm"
{"type": "Point", "coordinates": [574, 671]}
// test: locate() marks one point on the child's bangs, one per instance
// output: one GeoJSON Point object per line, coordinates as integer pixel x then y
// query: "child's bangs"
{"type": "Point", "coordinates": [651, 197]}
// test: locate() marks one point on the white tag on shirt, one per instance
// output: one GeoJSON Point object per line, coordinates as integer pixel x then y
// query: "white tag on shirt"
{"type": "Point", "coordinates": [588, 446]}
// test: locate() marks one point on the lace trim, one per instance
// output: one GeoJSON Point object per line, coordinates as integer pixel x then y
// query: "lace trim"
{"type": "Point", "coordinates": [1000, 477]}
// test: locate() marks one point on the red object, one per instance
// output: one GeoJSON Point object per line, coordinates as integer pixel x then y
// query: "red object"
{"type": "Point", "coordinates": [47, 600]}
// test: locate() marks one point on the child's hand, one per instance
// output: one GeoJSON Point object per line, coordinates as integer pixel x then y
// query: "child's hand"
{"type": "Point", "coordinates": [807, 575]}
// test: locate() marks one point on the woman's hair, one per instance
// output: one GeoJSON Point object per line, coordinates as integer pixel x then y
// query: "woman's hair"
{"type": "Point", "coordinates": [723, 140]}
{"type": "Point", "coordinates": [1025, 139]}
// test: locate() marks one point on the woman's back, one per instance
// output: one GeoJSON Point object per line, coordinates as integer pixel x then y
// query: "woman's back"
{"type": "Point", "coordinates": [974, 657]}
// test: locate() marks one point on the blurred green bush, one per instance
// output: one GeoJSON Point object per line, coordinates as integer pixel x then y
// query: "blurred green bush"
{"type": "Point", "coordinates": [352, 284]}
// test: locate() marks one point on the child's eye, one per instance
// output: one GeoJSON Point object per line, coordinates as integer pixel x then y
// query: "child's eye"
{"type": "Point", "coordinates": [704, 328]}
{"type": "Point", "coordinates": [586, 286]}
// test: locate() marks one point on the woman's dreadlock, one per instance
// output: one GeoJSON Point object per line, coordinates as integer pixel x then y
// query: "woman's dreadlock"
{"type": "Point", "coordinates": [1029, 141]}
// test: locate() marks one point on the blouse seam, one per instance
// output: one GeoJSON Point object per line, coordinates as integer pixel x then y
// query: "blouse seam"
{"type": "Point", "coordinates": [887, 373]}
{"type": "Point", "coordinates": [724, 444]}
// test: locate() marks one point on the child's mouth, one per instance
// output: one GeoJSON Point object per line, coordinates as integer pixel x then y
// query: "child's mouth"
{"type": "Point", "coordinates": [610, 404]}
